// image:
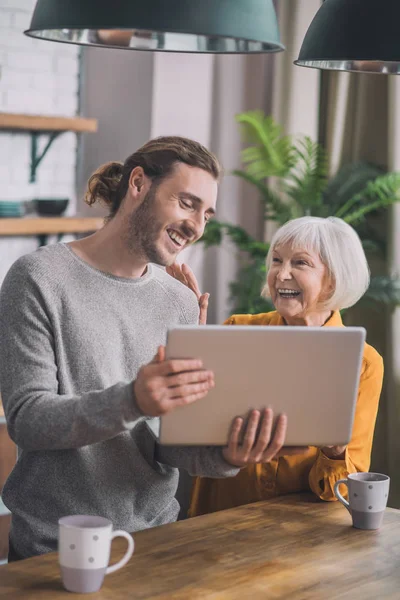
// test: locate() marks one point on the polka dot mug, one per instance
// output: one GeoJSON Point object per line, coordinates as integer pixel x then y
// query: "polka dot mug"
{"type": "Point", "coordinates": [84, 544]}
{"type": "Point", "coordinates": [367, 498]}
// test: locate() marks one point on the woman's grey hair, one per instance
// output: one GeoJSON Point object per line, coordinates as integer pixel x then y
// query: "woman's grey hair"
{"type": "Point", "coordinates": [339, 248]}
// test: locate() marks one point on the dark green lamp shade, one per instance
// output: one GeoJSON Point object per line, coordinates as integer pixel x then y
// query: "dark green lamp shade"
{"type": "Point", "coordinates": [354, 35]}
{"type": "Point", "coordinates": [220, 26]}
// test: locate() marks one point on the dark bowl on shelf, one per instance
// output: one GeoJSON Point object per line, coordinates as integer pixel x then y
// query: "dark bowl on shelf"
{"type": "Point", "coordinates": [50, 206]}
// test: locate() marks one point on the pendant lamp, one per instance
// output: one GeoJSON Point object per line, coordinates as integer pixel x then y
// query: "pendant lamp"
{"type": "Point", "coordinates": [354, 35]}
{"type": "Point", "coordinates": [201, 26]}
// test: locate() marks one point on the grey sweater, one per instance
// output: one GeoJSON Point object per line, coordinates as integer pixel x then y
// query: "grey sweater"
{"type": "Point", "coordinates": [72, 341]}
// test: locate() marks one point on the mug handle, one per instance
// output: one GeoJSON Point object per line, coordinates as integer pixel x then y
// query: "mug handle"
{"type": "Point", "coordinates": [339, 495]}
{"type": "Point", "coordinates": [128, 553]}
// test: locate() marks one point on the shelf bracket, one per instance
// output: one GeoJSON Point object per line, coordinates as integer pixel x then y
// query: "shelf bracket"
{"type": "Point", "coordinates": [43, 237]}
{"type": "Point", "coordinates": [36, 158]}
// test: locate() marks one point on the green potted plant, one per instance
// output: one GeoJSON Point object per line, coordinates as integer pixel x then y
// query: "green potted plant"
{"type": "Point", "coordinates": [291, 176]}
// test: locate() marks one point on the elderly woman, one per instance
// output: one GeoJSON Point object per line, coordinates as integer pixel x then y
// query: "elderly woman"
{"type": "Point", "coordinates": [316, 267]}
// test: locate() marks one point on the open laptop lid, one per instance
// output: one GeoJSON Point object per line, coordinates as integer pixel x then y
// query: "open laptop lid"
{"type": "Point", "coordinates": [310, 373]}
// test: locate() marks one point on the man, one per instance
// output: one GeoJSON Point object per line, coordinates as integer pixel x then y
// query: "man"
{"type": "Point", "coordinates": [82, 367]}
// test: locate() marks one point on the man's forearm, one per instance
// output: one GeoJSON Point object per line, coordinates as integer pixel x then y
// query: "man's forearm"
{"type": "Point", "coordinates": [204, 461]}
{"type": "Point", "coordinates": [45, 421]}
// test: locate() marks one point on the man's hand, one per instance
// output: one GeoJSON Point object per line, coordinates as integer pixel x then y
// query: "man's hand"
{"type": "Point", "coordinates": [185, 275]}
{"type": "Point", "coordinates": [259, 448]}
{"type": "Point", "coordinates": [163, 385]}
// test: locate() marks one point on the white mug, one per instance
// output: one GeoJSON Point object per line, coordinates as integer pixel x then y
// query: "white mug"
{"type": "Point", "coordinates": [84, 545]}
{"type": "Point", "coordinates": [368, 494]}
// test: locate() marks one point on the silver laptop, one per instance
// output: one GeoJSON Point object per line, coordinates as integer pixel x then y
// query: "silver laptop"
{"type": "Point", "coordinates": [310, 373]}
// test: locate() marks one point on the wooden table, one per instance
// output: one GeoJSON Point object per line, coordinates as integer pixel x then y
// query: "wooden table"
{"type": "Point", "coordinates": [290, 548]}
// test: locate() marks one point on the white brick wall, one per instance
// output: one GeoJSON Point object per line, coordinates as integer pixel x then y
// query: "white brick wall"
{"type": "Point", "coordinates": [36, 77]}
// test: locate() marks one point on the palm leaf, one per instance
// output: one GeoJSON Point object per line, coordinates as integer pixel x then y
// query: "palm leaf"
{"type": "Point", "coordinates": [245, 242]}
{"type": "Point", "coordinates": [350, 180]}
{"type": "Point", "coordinates": [275, 208]}
{"type": "Point", "coordinates": [216, 230]}
{"type": "Point", "coordinates": [383, 289]}
{"type": "Point", "coordinates": [213, 234]}
{"type": "Point", "coordinates": [307, 180]}
{"type": "Point", "coordinates": [358, 215]}
{"type": "Point", "coordinates": [271, 153]}
{"type": "Point", "coordinates": [381, 192]}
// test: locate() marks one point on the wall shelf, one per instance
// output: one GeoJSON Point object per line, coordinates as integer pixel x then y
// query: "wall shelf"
{"type": "Point", "coordinates": [45, 226]}
{"type": "Point", "coordinates": [13, 122]}
{"type": "Point", "coordinates": [39, 126]}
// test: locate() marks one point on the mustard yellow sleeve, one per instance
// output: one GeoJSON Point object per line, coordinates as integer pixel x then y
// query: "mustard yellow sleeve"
{"type": "Point", "coordinates": [325, 471]}
{"type": "Point", "coordinates": [230, 321]}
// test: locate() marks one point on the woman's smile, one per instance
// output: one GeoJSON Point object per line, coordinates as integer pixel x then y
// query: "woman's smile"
{"type": "Point", "coordinates": [288, 294]}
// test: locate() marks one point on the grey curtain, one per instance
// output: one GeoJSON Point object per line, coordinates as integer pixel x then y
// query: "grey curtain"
{"type": "Point", "coordinates": [359, 116]}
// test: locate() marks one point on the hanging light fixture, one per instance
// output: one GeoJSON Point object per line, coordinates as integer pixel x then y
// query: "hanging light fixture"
{"type": "Point", "coordinates": [218, 26]}
{"type": "Point", "coordinates": [354, 35]}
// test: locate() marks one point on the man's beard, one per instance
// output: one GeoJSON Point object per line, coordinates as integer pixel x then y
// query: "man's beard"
{"type": "Point", "coordinates": [144, 230]}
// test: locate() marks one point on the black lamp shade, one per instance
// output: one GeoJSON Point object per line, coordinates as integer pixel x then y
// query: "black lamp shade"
{"type": "Point", "coordinates": [354, 35]}
{"type": "Point", "coordinates": [218, 26]}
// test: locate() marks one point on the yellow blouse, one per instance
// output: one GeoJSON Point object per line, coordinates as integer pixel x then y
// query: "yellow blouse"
{"type": "Point", "coordinates": [313, 471]}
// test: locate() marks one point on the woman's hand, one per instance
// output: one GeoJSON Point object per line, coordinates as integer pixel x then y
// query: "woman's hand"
{"type": "Point", "coordinates": [259, 448]}
{"type": "Point", "coordinates": [185, 275]}
{"type": "Point", "coordinates": [334, 452]}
